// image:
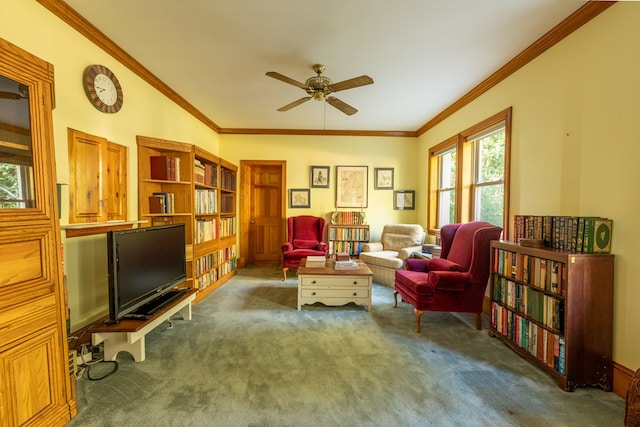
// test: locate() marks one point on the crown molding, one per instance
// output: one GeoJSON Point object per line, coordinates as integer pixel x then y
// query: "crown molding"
{"type": "Point", "coordinates": [384, 133]}
{"type": "Point", "coordinates": [580, 17]}
{"type": "Point", "coordinates": [84, 27]}
{"type": "Point", "coordinates": [574, 21]}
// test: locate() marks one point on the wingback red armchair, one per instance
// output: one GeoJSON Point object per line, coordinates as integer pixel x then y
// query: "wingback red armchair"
{"type": "Point", "coordinates": [305, 235]}
{"type": "Point", "coordinates": [456, 281]}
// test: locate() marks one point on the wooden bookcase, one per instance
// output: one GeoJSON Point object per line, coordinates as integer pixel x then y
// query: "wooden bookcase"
{"type": "Point", "coordinates": [347, 238]}
{"type": "Point", "coordinates": [199, 191]}
{"type": "Point", "coordinates": [555, 309]}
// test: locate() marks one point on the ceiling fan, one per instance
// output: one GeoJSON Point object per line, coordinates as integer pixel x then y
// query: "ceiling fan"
{"type": "Point", "coordinates": [23, 92]}
{"type": "Point", "coordinates": [320, 87]}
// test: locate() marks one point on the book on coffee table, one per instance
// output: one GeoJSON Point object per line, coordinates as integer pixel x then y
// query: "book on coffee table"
{"type": "Point", "coordinates": [315, 261]}
{"type": "Point", "coordinates": [346, 265]}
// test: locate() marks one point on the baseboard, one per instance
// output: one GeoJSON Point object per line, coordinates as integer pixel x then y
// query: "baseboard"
{"type": "Point", "coordinates": [621, 374]}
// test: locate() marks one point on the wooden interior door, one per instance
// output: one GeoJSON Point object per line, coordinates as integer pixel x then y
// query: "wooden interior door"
{"type": "Point", "coordinates": [263, 206]}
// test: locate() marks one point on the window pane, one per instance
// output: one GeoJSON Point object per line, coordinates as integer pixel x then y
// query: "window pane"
{"type": "Point", "coordinates": [446, 207]}
{"type": "Point", "coordinates": [490, 159]}
{"type": "Point", "coordinates": [447, 170]}
{"type": "Point", "coordinates": [489, 202]}
{"type": "Point", "coordinates": [16, 171]}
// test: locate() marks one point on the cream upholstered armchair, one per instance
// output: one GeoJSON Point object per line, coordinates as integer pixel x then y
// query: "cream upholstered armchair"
{"type": "Point", "coordinates": [397, 243]}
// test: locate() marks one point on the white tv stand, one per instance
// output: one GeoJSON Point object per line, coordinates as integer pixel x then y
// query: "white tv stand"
{"type": "Point", "coordinates": [129, 334]}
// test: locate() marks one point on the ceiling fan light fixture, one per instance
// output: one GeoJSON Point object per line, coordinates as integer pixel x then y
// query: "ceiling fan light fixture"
{"type": "Point", "coordinates": [318, 96]}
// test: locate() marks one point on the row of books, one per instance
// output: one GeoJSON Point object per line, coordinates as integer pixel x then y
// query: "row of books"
{"type": "Point", "coordinates": [543, 308]}
{"type": "Point", "coordinates": [227, 179]}
{"type": "Point", "coordinates": [542, 273]}
{"type": "Point", "coordinates": [543, 344]}
{"type": "Point", "coordinates": [206, 201]}
{"type": "Point", "coordinates": [162, 203]}
{"type": "Point", "coordinates": [206, 229]}
{"type": "Point", "coordinates": [205, 173]}
{"type": "Point", "coordinates": [207, 278]}
{"type": "Point", "coordinates": [350, 247]}
{"type": "Point", "coordinates": [349, 233]}
{"type": "Point", "coordinates": [570, 233]}
{"type": "Point", "coordinates": [166, 168]}
{"type": "Point", "coordinates": [227, 227]}
{"type": "Point", "coordinates": [227, 203]}
{"type": "Point", "coordinates": [205, 263]}
{"type": "Point", "coordinates": [348, 217]}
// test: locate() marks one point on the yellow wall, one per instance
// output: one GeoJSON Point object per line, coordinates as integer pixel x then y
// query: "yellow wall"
{"type": "Point", "coordinates": [302, 152]}
{"type": "Point", "coordinates": [576, 145]}
{"type": "Point", "coordinates": [145, 111]}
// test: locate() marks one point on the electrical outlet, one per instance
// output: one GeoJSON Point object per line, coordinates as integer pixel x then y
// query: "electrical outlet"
{"type": "Point", "coordinates": [73, 362]}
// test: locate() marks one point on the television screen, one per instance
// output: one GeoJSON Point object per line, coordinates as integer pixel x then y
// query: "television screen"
{"type": "Point", "coordinates": [143, 264]}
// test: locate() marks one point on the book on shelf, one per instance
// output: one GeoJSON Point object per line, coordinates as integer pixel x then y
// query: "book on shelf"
{"type": "Point", "coordinates": [580, 234]}
{"type": "Point", "coordinates": [315, 261]}
{"type": "Point", "coordinates": [165, 168]}
{"type": "Point", "coordinates": [346, 265]}
{"type": "Point", "coordinates": [156, 204]}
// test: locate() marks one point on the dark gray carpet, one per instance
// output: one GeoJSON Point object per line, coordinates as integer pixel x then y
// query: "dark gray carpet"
{"type": "Point", "coordinates": [249, 358]}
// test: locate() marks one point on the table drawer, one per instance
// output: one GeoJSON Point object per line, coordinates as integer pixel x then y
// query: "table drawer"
{"type": "Point", "coordinates": [335, 293]}
{"type": "Point", "coordinates": [334, 281]}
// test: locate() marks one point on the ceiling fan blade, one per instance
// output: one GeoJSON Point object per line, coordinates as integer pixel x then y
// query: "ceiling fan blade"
{"type": "Point", "coordinates": [351, 83]}
{"type": "Point", "coordinates": [10, 95]}
{"type": "Point", "coordinates": [286, 79]}
{"type": "Point", "coordinates": [294, 104]}
{"type": "Point", "coordinates": [341, 105]}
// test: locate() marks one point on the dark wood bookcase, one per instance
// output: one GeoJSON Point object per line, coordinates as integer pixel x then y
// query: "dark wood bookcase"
{"type": "Point", "coordinates": [555, 309]}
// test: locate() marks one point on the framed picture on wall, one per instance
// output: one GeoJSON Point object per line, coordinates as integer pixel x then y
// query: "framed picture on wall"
{"type": "Point", "coordinates": [320, 176]}
{"type": "Point", "coordinates": [404, 200]}
{"type": "Point", "coordinates": [299, 198]}
{"type": "Point", "coordinates": [351, 186]}
{"type": "Point", "coordinates": [383, 178]}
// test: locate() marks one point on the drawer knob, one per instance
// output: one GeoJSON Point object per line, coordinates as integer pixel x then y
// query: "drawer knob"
{"type": "Point", "coordinates": [313, 282]}
{"type": "Point", "coordinates": [355, 294]}
{"type": "Point", "coordinates": [355, 282]}
{"type": "Point", "coordinates": [313, 293]}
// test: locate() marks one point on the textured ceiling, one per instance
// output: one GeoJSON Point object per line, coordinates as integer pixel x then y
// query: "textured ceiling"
{"type": "Point", "coordinates": [422, 54]}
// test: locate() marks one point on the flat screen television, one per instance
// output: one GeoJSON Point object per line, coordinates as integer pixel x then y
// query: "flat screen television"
{"type": "Point", "coordinates": [143, 265]}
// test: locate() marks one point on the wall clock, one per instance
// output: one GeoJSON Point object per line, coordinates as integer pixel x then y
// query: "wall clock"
{"type": "Point", "coordinates": [102, 88]}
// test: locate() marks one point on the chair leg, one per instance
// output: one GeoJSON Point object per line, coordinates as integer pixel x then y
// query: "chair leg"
{"type": "Point", "coordinates": [419, 314]}
{"type": "Point", "coordinates": [395, 299]}
{"type": "Point", "coordinates": [284, 273]}
{"type": "Point", "coordinates": [478, 321]}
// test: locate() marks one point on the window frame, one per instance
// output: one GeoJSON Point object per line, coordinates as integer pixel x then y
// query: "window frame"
{"type": "Point", "coordinates": [465, 186]}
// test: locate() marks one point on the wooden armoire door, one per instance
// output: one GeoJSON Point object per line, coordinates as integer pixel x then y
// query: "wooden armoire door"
{"type": "Point", "coordinates": [35, 385]}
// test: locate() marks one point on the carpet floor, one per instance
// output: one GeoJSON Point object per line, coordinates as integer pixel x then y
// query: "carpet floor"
{"type": "Point", "coordinates": [250, 358]}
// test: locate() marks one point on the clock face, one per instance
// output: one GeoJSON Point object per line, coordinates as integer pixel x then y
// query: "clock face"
{"type": "Point", "coordinates": [102, 88]}
{"type": "Point", "coordinates": [105, 89]}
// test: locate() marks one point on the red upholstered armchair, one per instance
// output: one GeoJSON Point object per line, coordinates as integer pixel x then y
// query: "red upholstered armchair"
{"type": "Point", "coordinates": [457, 280]}
{"type": "Point", "coordinates": [305, 238]}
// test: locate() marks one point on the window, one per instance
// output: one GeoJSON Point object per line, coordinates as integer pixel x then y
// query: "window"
{"type": "Point", "coordinates": [469, 175]}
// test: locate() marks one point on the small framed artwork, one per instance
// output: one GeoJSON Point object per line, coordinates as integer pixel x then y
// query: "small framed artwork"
{"type": "Point", "coordinates": [383, 178]}
{"type": "Point", "coordinates": [299, 198]}
{"type": "Point", "coordinates": [352, 186]}
{"type": "Point", "coordinates": [320, 176]}
{"type": "Point", "coordinates": [404, 200]}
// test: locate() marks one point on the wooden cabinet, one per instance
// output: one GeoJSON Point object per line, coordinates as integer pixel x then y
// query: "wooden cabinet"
{"type": "Point", "coordinates": [555, 309]}
{"type": "Point", "coordinates": [35, 383]}
{"type": "Point", "coordinates": [347, 238]}
{"type": "Point", "coordinates": [181, 183]}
